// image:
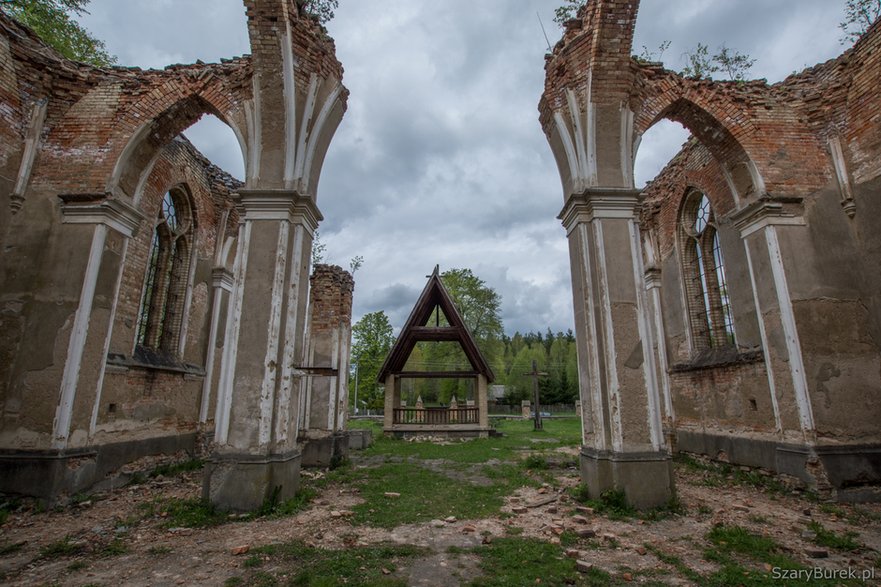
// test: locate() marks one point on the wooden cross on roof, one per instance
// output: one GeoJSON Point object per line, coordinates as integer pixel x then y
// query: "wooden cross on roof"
{"type": "Point", "coordinates": [435, 295]}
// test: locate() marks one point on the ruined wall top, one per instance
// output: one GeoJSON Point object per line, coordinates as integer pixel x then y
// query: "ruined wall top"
{"type": "Point", "coordinates": [121, 116]}
{"type": "Point", "coordinates": [330, 297]}
{"type": "Point", "coordinates": [760, 133]}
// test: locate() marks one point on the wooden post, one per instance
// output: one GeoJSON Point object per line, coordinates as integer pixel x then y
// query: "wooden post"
{"type": "Point", "coordinates": [535, 375]}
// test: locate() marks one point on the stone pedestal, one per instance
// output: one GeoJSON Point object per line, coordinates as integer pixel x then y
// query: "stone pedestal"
{"type": "Point", "coordinates": [256, 456]}
{"type": "Point", "coordinates": [645, 478]}
{"type": "Point", "coordinates": [624, 447]}
{"type": "Point", "coordinates": [243, 482]}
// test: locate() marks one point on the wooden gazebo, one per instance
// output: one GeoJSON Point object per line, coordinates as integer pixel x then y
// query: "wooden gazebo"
{"type": "Point", "coordinates": [454, 420]}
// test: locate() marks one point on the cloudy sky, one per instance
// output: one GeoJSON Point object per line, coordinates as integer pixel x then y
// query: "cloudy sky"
{"type": "Point", "coordinates": [440, 158]}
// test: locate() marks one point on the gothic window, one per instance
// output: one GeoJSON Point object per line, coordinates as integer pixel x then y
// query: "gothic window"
{"type": "Point", "coordinates": [706, 290]}
{"type": "Point", "coordinates": [165, 284]}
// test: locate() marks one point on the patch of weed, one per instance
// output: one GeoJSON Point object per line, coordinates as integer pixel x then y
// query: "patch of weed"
{"type": "Point", "coordinates": [77, 566]}
{"type": "Point", "coordinates": [173, 469]}
{"type": "Point", "coordinates": [64, 547]}
{"type": "Point", "coordinates": [536, 463]}
{"type": "Point", "coordinates": [716, 474]}
{"type": "Point", "coordinates": [187, 513]}
{"type": "Point", "coordinates": [114, 548]}
{"type": "Point", "coordinates": [677, 563]}
{"type": "Point", "coordinates": [830, 539]}
{"type": "Point", "coordinates": [234, 582]}
{"type": "Point", "coordinates": [11, 547]}
{"type": "Point", "coordinates": [612, 503]}
{"type": "Point", "coordinates": [159, 550]}
{"type": "Point", "coordinates": [252, 561]}
{"type": "Point", "coordinates": [274, 508]}
{"type": "Point", "coordinates": [734, 548]}
{"type": "Point", "coordinates": [316, 567]}
{"type": "Point", "coordinates": [526, 561]}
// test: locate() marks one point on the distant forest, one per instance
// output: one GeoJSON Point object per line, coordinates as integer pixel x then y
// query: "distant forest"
{"type": "Point", "coordinates": [510, 357]}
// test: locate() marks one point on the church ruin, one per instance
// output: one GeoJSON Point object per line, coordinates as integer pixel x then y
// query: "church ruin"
{"type": "Point", "coordinates": [148, 299]}
{"type": "Point", "coordinates": [150, 303]}
{"type": "Point", "coordinates": [733, 307]}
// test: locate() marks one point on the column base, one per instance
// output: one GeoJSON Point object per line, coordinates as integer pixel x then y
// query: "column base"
{"type": "Point", "coordinates": [243, 483]}
{"type": "Point", "coordinates": [645, 478]}
{"type": "Point", "coordinates": [325, 451]}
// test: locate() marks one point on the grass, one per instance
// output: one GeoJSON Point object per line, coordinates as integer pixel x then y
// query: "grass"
{"type": "Point", "coordinates": [739, 552]}
{"type": "Point", "coordinates": [301, 565]}
{"type": "Point", "coordinates": [518, 436]}
{"type": "Point", "coordinates": [60, 548]}
{"type": "Point", "coordinates": [830, 539]}
{"type": "Point", "coordinates": [426, 494]}
{"type": "Point", "coordinates": [723, 474]}
{"type": "Point", "coordinates": [467, 479]}
{"type": "Point", "coordinates": [11, 548]}
{"type": "Point", "coordinates": [159, 550]}
{"type": "Point", "coordinates": [529, 561]}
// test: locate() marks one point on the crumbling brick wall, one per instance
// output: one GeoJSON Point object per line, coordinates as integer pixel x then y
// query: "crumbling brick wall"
{"type": "Point", "coordinates": [142, 395]}
{"type": "Point", "coordinates": [829, 101]}
{"type": "Point", "coordinates": [330, 330]}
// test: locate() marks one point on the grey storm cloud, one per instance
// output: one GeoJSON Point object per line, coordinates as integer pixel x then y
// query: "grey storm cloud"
{"type": "Point", "coordinates": [440, 158]}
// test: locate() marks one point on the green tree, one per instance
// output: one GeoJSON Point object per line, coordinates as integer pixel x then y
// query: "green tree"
{"type": "Point", "coordinates": [53, 21]}
{"type": "Point", "coordinates": [701, 65]}
{"type": "Point", "coordinates": [480, 307]}
{"type": "Point", "coordinates": [568, 11]}
{"type": "Point", "coordinates": [858, 17]}
{"type": "Point", "coordinates": [372, 339]}
{"type": "Point", "coordinates": [321, 10]}
{"type": "Point", "coordinates": [318, 249]}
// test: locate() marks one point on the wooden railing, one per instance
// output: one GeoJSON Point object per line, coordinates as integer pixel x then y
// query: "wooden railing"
{"type": "Point", "coordinates": [436, 416]}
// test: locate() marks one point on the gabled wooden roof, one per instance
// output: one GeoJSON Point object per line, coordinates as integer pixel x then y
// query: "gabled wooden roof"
{"type": "Point", "coordinates": [414, 330]}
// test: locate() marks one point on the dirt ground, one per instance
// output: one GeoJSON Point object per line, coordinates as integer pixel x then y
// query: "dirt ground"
{"type": "Point", "coordinates": [152, 554]}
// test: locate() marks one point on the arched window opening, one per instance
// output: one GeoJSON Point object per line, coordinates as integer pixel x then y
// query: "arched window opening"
{"type": "Point", "coordinates": [706, 289]}
{"type": "Point", "coordinates": [165, 285]}
{"type": "Point", "coordinates": [657, 147]}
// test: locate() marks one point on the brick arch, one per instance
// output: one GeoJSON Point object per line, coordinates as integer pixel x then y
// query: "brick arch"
{"type": "Point", "coordinates": [123, 121]}
{"type": "Point", "coordinates": [138, 141]}
{"type": "Point", "coordinates": [706, 119]}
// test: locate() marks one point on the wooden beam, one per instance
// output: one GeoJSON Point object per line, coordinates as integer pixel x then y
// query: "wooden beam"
{"type": "Point", "coordinates": [437, 374]}
{"type": "Point", "coordinates": [433, 333]}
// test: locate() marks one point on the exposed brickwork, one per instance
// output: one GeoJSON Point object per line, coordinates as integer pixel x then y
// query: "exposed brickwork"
{"type": "Point", "coordinates": [330, 298]}
{"type": "Point", "coordinates": [781, 128]}
{"type": "Point", "coordinates": [179, 165]}
{"type": "Point", "coordinates": [94, 151]}
{"type": "Point", "coordinates": [792, 172]}
{"type": "Point", "coordinates": [693, 166]}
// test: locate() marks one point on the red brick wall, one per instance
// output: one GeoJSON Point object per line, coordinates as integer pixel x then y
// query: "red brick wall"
{"type": "Point", "coordinates": [142, 395]}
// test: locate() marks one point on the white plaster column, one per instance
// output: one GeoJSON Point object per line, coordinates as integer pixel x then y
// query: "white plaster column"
{"type": "Point", "coordinates": [760, 225]}
{"type": "Point", "coordinates": [258, 395]}
{"type": "Point", "coordinates": [624, 443]}
{"type": "Point", "coordinates": [655, 311]}
{"type": "Point", "coordinates": [222, 286]}
{"type": "Point", "coordinates": [83, 376]}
